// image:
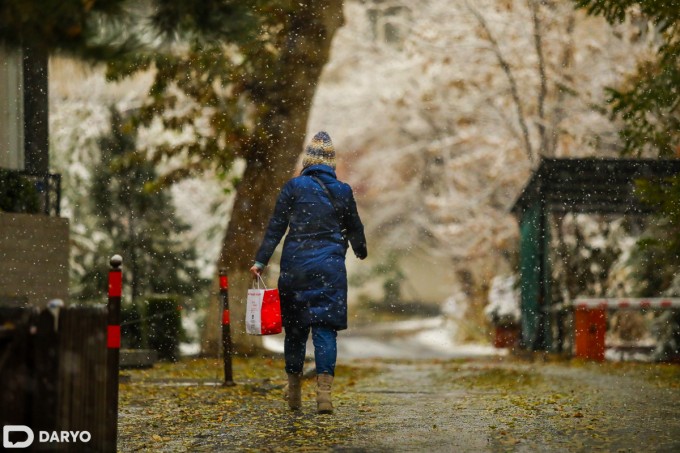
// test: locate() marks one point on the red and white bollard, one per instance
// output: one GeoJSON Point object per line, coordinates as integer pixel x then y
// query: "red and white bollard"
{"type": "Point", "coordinates": [113, 350]}
{"type": "Point", "coordinates": [226, 329]}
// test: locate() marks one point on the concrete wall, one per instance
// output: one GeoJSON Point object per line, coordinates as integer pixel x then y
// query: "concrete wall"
{"type": "Point", "coordinates": [34, 252]}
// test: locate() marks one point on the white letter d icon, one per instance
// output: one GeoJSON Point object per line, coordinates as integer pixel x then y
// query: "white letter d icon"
{"type": "Point", "coordinates": [16, 428]}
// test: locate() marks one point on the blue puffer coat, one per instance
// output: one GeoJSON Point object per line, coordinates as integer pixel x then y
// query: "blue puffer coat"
{"type": "Point", "coordinates": [313, 280]}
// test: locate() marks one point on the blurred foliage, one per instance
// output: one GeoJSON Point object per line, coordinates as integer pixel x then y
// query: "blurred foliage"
{"type": "Point", "coordinates": [657, 255]}
{"type": "Point", "coordinates": [234, 79]}
{"type": "Point", "coordinates": [220, 83]}
{"type": "Point", "coordinates": [109, 29]}
{"type": "Point", "coordinates": [664, 13]}
{"type": "Point", "coordinates": [648, 102]}
{"type": "Point", "coordinates": [389, 271]}
{"type": "Point", "coordinates": [219, 60]}
{"type": "Point", "coordinates": [649, 105]}
{"type": "Point", "coordinates": [132, 334]}
{"type": "Point", "coordinates": [369, 311]}
{"type": "Point", "coordinates": [138, 224]}
{"type": "Point", "coordinates": [69, 25]}
{"type": "Point", "coordinates": [17, 193]}
{"type": "Point", "coordinates": [164, 326]}
{"type": "Point", "coordinates": [586, 248]}
{"type": "Point", "coordinates": [393, 305]}
{"type": "Point", "coordinates": [205, 54]}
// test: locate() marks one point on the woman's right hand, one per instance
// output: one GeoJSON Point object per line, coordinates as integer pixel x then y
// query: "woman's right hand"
{"type": "Point", "coordinates": [256, 271]}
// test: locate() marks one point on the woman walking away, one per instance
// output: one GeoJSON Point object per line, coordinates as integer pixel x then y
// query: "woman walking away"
{"type": "Point", "coordinates": [321, 217]}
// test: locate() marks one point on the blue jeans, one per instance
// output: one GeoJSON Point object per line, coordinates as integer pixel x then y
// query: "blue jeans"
{"type": "Point", "coordinates": [325, 349]}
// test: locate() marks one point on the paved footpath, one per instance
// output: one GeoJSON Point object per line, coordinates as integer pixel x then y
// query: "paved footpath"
{"type": "Point", "coordinates": [511, 405]}
{"type": "Point", "coordinates": [473, 404]}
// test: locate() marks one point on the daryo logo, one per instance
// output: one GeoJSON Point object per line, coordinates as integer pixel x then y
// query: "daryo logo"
{"type": "Point", "coordinates": [43, 436]}
{"type": "Point", "coordinates": [17, 429]}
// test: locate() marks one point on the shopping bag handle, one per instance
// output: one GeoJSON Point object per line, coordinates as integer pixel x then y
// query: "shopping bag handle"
{"type": "Point", "coordinates": [260, 280]}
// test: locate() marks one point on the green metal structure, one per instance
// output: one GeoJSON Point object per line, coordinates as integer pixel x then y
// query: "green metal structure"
{"type": "Point", "coordinates": [535, 277]}
{"type": "Point", "coordinates": [596, 186]}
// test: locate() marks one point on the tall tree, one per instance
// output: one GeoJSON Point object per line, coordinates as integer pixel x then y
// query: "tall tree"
{"type": "Point", "coordinates": [283, 94]}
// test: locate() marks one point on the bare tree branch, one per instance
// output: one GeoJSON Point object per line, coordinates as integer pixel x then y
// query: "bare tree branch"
{"type": "Point", "coordinates": [511, 80]}
{"type": "Point", "coordinates": [505, 118]}
{"type": "Point", "coordinates": [543, 89]}
{"type": "Point", "coordinates": [558, 110]}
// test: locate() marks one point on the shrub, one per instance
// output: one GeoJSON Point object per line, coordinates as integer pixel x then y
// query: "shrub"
{"type": "Point", "coordinates": [132, 330]}
{"type": "Point", "coordinates": [17, 193]}
{"type": "Point", "coordinates": [164, 325]}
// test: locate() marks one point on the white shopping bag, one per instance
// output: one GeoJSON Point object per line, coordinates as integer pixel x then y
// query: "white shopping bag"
{"type": "Point", "coordinates": [263, 312]}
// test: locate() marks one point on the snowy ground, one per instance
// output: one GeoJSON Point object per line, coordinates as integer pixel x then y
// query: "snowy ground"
{"type": "Point", "coordinates": [430, 338]}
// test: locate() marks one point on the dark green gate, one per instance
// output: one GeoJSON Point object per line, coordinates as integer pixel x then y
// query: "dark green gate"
{"type": "Point", "coordinates": [535, 278]}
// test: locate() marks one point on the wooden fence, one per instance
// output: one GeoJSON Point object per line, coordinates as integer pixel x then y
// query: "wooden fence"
{"type": "Point", "coordinates": [54, 374]}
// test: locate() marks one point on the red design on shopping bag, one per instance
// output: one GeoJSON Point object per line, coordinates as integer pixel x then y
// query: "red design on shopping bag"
{"type": "Point", "coordinates": [263, 312]}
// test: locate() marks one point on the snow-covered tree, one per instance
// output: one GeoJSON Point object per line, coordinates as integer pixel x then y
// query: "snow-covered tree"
{"type": "Point", "coordinates": [444, 107]}
{"type": "Point", "coordinates": [137, 223]}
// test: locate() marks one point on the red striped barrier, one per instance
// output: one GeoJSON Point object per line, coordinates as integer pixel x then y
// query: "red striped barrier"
{"type": "Point", "coordinates": [226, 329]}
{"type": "Point", "coordinates": [115, 283]}
{"type": "Point", "coordinates": [113, 349]}
{"type": "Point", "coordinates": [113, 337]}
{"type": "Point", "coordinates": [224, 288]}
{"type": "Point", "coordinates": [628, 303]}
{"type": "Point", "coordinates": [591, 315]}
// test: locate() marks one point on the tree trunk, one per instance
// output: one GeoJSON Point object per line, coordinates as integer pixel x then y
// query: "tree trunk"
{"type": "Point", "coordinates": [273, 152]}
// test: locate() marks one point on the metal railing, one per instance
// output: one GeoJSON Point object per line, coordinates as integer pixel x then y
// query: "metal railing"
{"type": "Point", "coordinates": [42, 197]}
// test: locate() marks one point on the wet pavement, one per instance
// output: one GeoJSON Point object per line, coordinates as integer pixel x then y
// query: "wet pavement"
{"type": "Point", "coordinates": [513, 405]}
{"type": "Point", "coordinates": [461, 403]}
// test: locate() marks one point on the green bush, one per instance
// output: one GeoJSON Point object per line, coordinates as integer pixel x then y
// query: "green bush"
{"type": "Point", "coordinates": [164, 325]}
{"type": "Point", "coordinates": [17, 193]}
{"type": "Point", "coordinates": [132, 329]}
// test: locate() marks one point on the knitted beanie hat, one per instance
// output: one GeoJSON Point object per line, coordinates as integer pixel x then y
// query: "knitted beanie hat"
{"type": "Point", "coordinates": [319, 151]}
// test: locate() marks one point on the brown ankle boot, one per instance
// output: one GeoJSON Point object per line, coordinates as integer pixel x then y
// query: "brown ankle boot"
{"type": "Point", "coordinates": [323, 394]}
{"type": "Point", "coordinates": [294, 391]}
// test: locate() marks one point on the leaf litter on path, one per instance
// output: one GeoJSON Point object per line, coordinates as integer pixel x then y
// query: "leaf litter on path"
{"type": "Point", "coordinates": [496, 404]}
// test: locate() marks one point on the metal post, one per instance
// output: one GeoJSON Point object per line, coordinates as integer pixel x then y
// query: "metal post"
{"type": "Point", "coordinates": [113, 351]}
{"type": "Point", "coordinates": [226, 328]}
